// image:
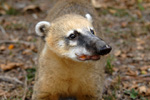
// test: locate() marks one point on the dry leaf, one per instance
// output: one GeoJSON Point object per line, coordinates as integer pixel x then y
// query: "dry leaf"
{"type": "Point", "coordinates": [142, 89]}
{"type": "Point", "coordinates": [2, 48]}
{"type": "Point", "coordinates": [139, 47]}
{"type": "Point", "coordinates": [115, 69]}
{"type": "Point", "coordinates": [138, 13]}
{"type": "Point", "coordinates": [133, 86]}
{"type": "Point", "coordinates": [10, 66]}
{"type": "Point", "coordinates": [96, 3]}
{"type": "Point", "coordinates": [29, 38]}
{"type": "Point", "coordinates": [31, 9]}
{"type": "Point", "coordinates": [140, 41]}
{"type": "Point", "coordinates": [2, 93]}
{"type": "Point", "coordinates": [2, 12]}
{"type": "Point", "coordinates": [112, 11]}
{"type": "Point", "coordinates": [148, 69]}
{"type": "Point", "coordinates": [6, 6]}
{"type": "Point", "coordinates": [124, 24]}
{"type": "Point", "coordinates": [123, 55]}
{"type": "Point", "coordinates": [99, 4]}
{"type": "Point", "coordinates": [143, 72]}
{"type": "Point", "coordinates": [131, 73]}
{"type": "Point", "coordinates": [148, 92]}
{"type": "Point", "coordinates": [144, 67]}
{"type": "Point", "coordinates": [117, 53]}
{"type": "Point", "coordinates": [27, 52]}
{"type": "Point", "coordinates": [11, 46]}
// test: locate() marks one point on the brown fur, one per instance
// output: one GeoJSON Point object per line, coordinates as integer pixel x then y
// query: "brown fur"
{"type": "Point", "coordinates": [58, 76]}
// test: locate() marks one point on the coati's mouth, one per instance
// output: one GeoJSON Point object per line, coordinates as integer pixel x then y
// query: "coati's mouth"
{"type": "Point", "coordinates": [87, 57]}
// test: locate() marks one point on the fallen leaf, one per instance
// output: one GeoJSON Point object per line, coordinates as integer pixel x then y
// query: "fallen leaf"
{"type": "Point", "coordinates": [117, 53]}
{"type": "Point", "coordinates": [123, 56]}
{"type": "Point", "coordinates": [124, 24]}
{"type": "Point", "coordinates": [99, 4]}
{"type": "Point", "coordinates": [131, 73]}
{"type": "Point", "coordinates": [2, 48]}
{"type": "Point", "coordinates": [142, 89]}
{"type": "Point", "coordinates": [144, 67]}
{"type": "Point", "coordinates": [112, 11]}
{"type": "Point", "coordinates": [148, 92]}
{"type": "Point", "coordinates": [2, 12]}
{"type": "Point", "coordinates": [148, 69]}
{"type": "Point", "coordinates": [31, 9]}
{"type": "Point", "coordinates": [29, 38]}
{"type": "Point", "coordinates": [2, 93]}
{"type": "Point", "coordinates": [11, 46]}
{"type": "Point", "coordinates": [6, 6]}
{"type": "Point", "coordinates": [27, 52]}
{"type": "Point", "coordinates": [143, 72]}
{"type": "Point", "coordinates": [140, 41]}
{"type": "Point", "coordinates": [139, 47]}
{"type": "Point", "coordinates": [138, 13]}
{"type": "Point", "coordinates": [96, 4]}
{"type": "Point", "coordinates": [10, 66]}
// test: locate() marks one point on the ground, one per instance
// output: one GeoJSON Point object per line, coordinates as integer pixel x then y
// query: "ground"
{"type": "Point", "coordinates": [126, 25]}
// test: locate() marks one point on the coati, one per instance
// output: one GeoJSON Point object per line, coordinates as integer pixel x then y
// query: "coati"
{"type": "Point", "coordinates": [69, 51]}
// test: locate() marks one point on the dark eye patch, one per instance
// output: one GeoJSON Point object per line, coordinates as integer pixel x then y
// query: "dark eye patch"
{"type": "Point", "coordinates": [74, 35]}
{"type": "Point", "coordinates": [92, 31]}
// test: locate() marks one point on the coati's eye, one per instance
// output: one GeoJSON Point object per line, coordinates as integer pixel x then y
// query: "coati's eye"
{"type": "Point", "coordinates": [92, 31]}
{"type": "Point", "coordinates": [73, 35]}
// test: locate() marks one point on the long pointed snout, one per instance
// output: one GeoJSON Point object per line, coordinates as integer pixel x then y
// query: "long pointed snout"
{"type": "Point", "coordinates": [95, 45]}
{"type": "Point", "coordinates": [102, 48]}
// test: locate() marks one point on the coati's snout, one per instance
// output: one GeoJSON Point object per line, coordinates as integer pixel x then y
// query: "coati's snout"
{"type": "Point", "coordinates": [102, 48]}
{"type": "Point", "coordinates": [95, 46]}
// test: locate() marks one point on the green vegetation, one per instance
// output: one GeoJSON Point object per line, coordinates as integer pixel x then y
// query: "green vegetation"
{"type": "Point", "coordinates": [15, 26]}
{"type": "Point", "coordinates": [134, 94]}
{"type": "Point", "coordinates": [12, 11]}
{"type": "Point", "coordinates": [30, 73]}
{"type": "Point", "coordinates": [109, 66]}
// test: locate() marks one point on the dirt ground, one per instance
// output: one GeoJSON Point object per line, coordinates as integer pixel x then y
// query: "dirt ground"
{"type": "Point", "coordinates": [126, 25]}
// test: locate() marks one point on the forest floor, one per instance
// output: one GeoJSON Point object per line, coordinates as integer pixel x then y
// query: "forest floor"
{"type": "Point", "coordinates": [125, 24]}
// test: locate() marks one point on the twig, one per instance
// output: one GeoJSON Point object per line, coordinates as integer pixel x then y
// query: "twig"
{"type": "Point", "coordinates": [139, 79]}
{"type": "Point", "coordinates": [25, 86]}
{"type": "Point", "coordinates": [22, 42]}
{"type": "Point", "coordinates": [10, 79]}
{"type": "Point", "coordinates": [3, 30]}
{"type": "Point", "coordinates": [146, 75]}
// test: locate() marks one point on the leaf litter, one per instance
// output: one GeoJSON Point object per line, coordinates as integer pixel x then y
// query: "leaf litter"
{"type": "Point", "coordinates": [125, 24]}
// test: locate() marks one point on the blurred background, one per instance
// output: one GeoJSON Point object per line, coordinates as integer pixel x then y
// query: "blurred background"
{"type": "Point", "coordinates": [125, 23]}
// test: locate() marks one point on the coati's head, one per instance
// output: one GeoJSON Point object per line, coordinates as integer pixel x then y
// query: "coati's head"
{"type": "Point", "coordinates": [73, 36]}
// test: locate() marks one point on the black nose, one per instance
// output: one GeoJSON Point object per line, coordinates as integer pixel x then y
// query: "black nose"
{"type": "Point", "coordinates": [105, 50]}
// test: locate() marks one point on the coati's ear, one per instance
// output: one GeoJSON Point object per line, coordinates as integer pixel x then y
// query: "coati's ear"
{"type": "Point", "coordinates": [89, 17]}
{"type": "Point", "coordinates": [42, 27]}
